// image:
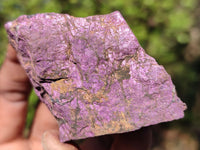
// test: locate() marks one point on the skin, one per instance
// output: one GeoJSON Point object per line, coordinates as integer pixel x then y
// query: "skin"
{"type": "Point", "coordinates": [14, 91]}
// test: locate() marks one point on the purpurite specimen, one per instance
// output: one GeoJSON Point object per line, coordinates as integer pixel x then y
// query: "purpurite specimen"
{"type": "Point", "coordinates": [92, 74]}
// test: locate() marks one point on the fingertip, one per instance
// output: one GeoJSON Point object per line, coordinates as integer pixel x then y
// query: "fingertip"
{"type": "Point", "coordinates": [50, 141]}
{"type": "Point", "coordinates": [11, 54]}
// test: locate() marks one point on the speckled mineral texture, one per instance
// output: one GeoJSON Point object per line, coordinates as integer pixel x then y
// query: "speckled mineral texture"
{"type": "Point", "coordinates": [92, 74]}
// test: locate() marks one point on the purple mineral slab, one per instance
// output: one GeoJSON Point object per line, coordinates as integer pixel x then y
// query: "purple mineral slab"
{"type": "Point", "coordinates": [92, 74]}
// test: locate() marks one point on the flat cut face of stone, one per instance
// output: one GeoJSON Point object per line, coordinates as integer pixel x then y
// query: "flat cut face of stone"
{"type": "Point", "coordinates": [92, 74]}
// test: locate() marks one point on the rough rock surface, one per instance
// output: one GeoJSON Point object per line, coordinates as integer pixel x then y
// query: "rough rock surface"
{"type": "Point", "coordinates": [92, 74]}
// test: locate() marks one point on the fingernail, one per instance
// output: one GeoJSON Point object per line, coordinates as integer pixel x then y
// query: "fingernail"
{"type": "Point", "coordinates": [45, 140]}
{"type": "Point", "coordinates": [50, 141]}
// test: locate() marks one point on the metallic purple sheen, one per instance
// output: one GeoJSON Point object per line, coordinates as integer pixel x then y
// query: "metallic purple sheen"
{"type": "Point", "coordinates": [93, 74]}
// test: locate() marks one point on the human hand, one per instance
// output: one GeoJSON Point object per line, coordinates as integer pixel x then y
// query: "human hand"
{"type": "Point", "coordinates": [14, 91]}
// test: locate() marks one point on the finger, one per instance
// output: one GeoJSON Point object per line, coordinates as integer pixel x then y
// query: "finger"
{"type": "Point", "coordinates": [14, 83]}
{"type": "Point", "coordinates": [137, 140]}
{"type": "Point", "coordinates": [43, 121]}
{"type": "Point", "coordinates": [19, 144]}
{"type": "Point", "coordinates": [14, 90]}
{"type": "Point", "coordinates": [50, 141]}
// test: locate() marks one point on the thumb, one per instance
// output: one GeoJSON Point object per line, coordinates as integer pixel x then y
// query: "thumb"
{"type": "Point", "coordinates": [50, 141]}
